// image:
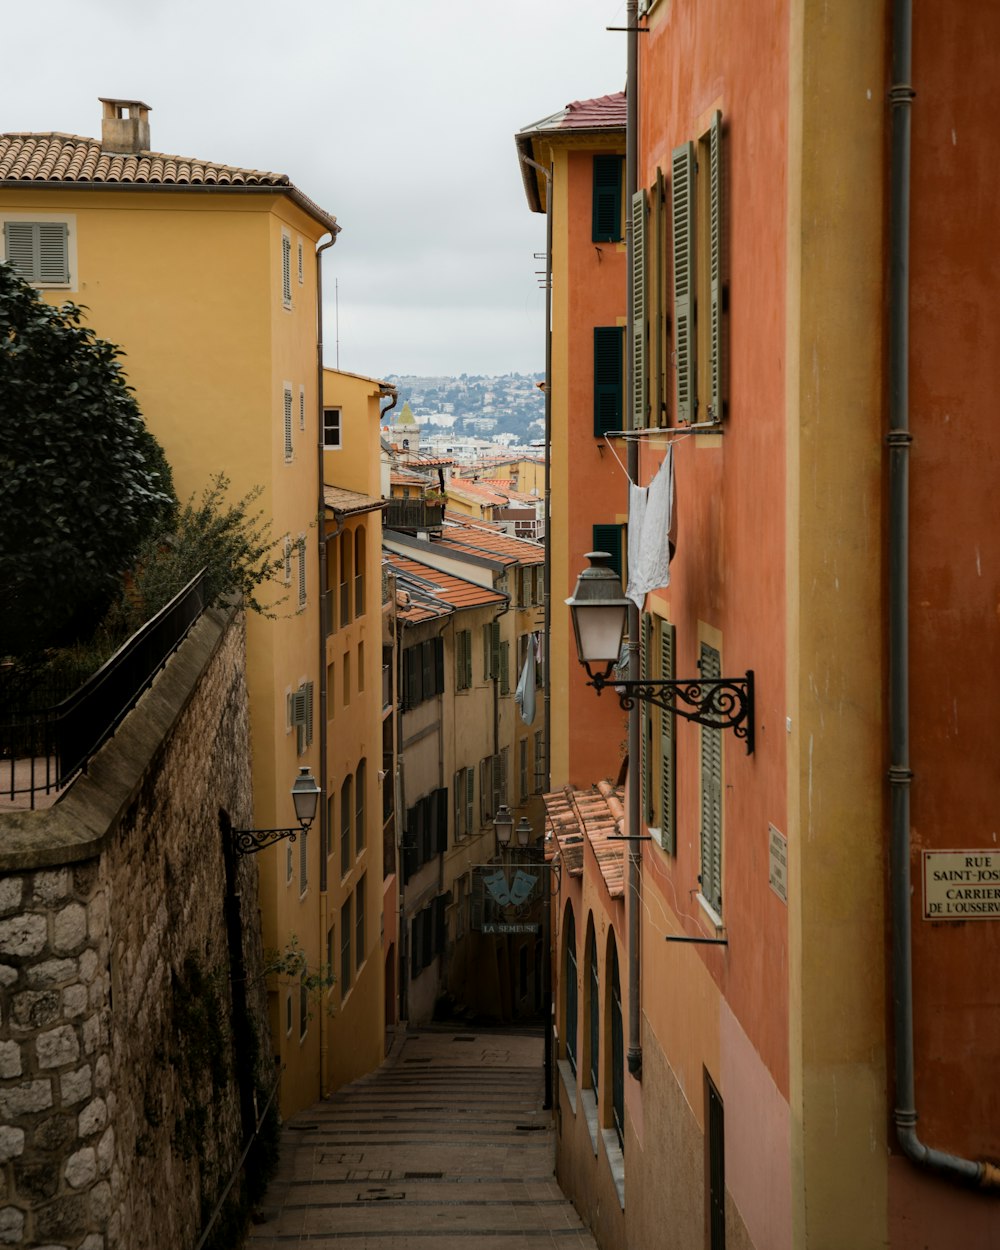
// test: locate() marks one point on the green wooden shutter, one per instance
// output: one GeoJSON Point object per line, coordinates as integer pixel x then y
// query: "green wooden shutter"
{"type": "Point", "coordinates": [639, 383]}
{"type": "Point", "coordinates": [711, 794]}
{"type": "Point", "coordinates": [609, 538]}
{"type": "Point", "coordinates": [715, 268]}
{"type": "Point", "coordinates": [608, 347]}
{"type": "Point", "coordinates": [659, 328]}
{"type": "Point", "coordinates": [607, 202]}
{"type": "Point", "coordinates": [505, 668]}
{"type": "Point", "coordinates": [682, 196]}
{"type": "Point", "coordinates": [19, 239]}
{"type": "Point", "coordinates": [470, 800]}
{"type": "Point", "coordinates": [668, 828]}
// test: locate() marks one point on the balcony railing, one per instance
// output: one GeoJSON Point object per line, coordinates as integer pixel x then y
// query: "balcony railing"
{"type": "Point", "coordinates": [42, 748]}
{"type": "Point", "coordinates": [413, 514]}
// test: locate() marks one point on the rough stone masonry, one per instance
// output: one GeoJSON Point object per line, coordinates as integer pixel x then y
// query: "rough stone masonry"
{"type": "Point", "coordinates": [120, 1100]}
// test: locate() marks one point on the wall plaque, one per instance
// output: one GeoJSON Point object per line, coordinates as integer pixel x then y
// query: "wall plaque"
{"type": "Point", "coordinates": [961, 885]}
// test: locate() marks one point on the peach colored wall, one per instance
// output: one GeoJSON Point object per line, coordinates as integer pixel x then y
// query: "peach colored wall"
{"type": "Point", "coordinates": [954, 567]}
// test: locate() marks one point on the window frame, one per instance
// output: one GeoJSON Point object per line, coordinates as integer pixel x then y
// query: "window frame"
{"type": "Point", "coordinates": [37, 223]}
{"type": "Point", "coordinates": [333, 433]}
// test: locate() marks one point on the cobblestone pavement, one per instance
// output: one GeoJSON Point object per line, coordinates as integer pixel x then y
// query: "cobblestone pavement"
{"type": "Point", "coordinates": [445, 1146]}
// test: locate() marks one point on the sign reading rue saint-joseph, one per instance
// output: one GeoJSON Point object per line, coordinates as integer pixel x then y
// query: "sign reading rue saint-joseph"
{"type": "Point", "coordinates": [961, 885]}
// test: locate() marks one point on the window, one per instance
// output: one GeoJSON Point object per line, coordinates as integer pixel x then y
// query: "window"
{"type": "Point", "coordinates": [286, 269]}
{"type": "Point", "coordinates": [302, 276]}
{"type": "Point", "coordinates": [524, 577]}
{"type": "Point", "coordinates": [300, 714]}
{"type": "Point", "coordinates": [346, 569]}
{"type": "Point", "coordinates": [570, 984]}
{"type": "Point", "coordinates": [345, 948]}
{"type": "Point", "coordinates": [716, 1160]}
{"type": "Point", "coordinates": [593, 1010]}
{"type": "Point", "coordinates": [656, 661]}
{"type": "Point", "coordinates": [302, 407]}
{"type": "Point", "coordinates": [617, 1049]}
{"type": "Point", "coordinates": [522, 771]}
{"type": "Point", "coordinates": [464, 795]}
{"type": "Point", "coordinates": [303, 1007]}
{"type": "Point", "coordinates": [423, 672]}
{"type": "Point", "coordinates": [425, 831]}
{"type": "Point", "coordinates": [289, 449]}
{"type": "Point", "coordinates": [608, 378]}
{"type": "Point", "coordinates": [360, 778]}
{"type": "Point", "coordinates": [359, 923]}
{"type": "Point", "coordinates": [300, 551]}
{"type": "Point", "coordinates": [331, 429]}
{"type": "Point", "coordinates": [463, 659]}
{"type": "Point", "coordinates": [609, 538]}
{"type": "Point", "coordinates": [699, 281]}
{"type": "Point", "coordinates": [346, 810]}
{"type": "Point", "coordinates": [359, 571]}
{"type": "Point", "coordinates": [331, 815]}
{"type": "Point", "coordinates": [303, 838]}
{"type": "Point", "coordinates": [491, 650]}
{"type": "Point", "coordinates": [38, 250]}
{"type": "Point", "coordinates": [505, 668]}
{"type": "Point", "coordinates": [640, 394]}
{"type": "Point", "coordinates": [361, 667]}
{"type": "Point", "coordinates": [607, 200]}
{"type": "Point", "coordinates": [710, 667]}
{"type": "Point", "coordinates": [539, 762]}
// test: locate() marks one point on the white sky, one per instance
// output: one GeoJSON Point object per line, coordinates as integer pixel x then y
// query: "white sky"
{"type": "Point", "coordinates": [397, 117]}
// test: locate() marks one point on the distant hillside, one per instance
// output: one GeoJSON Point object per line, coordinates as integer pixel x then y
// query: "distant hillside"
{"type": "Point", "coordinates": [472, 404]}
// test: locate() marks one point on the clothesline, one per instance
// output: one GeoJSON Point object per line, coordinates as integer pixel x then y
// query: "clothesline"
{"type": "Point", "coordinates": [673, 435]}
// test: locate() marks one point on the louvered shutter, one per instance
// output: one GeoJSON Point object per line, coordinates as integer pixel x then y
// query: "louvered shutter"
{"type": "Point", "coordinates": [288, 423]}
{"type": "Point", "coordinates": [286, 269]}
{"type": "Point", "coordinates": [19, 238]}
{"type": "Point", "coordinates": [609, 538]}
{"type": "Point", "coordinates": [308, 691]}
{"type": "Point", "coordinates": [302, 407]}
{"type": "Point", "coordinates": [607, 201]}
{"type": "Point", "coordinates": [646, 724]}
{"type": "Point", "coordinates": [442, 819]}
{"type": "Point", "coordinates": [711, 795]}
{"type": "Point", "coordinates": [53, 252]}
{"type": "Point", "coordinates": [715, 267]}
{"type": "Point", "coordinates": [458, 794]}
{"type": "Point", "coordinates": [438, 665]}
{"type": "Point", "coordinates": [427, 667]}
{"type": "Point", "coordinates": [659, 330]}
{"type": "Point", "coordinates": [666, 746]}
{"type": "Point", "coordinates": [301, 544]}
{"type": "Point", "coordinates": [608, 341]}
{"type": "Point", "coordinates": [467, 666]}
{"type": "Point", "coordinates": [505, 668]}
{"type": "Point", "coordinates": [470, 800]}
{"type": "Point", "coordinates": [639, 375]}
{"type": "Point", "coordinates": [682, 198]}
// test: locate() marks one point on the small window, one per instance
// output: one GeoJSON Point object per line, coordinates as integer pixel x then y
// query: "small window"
{"type": "Point", "coordinates": [286, 269]}
{"type": "Point", "coordinates": [359, 923]}
{"type": "Point", "coordinates": [289, 447]}
{"type": "Point", "coordinates": [345, 948]}
{"type": "Point", "coordinates": [360, 780]}
{"type": "Point", "coordinates": [609, 538]}
{"type": "Point", "coordinates": [300, 714]}
{"type": "Point", "coordinates": [331, 428]}
{"type": "Point", "coordinates": [39, 251]}
{"type": "Point", "coordinates": [346, 666]}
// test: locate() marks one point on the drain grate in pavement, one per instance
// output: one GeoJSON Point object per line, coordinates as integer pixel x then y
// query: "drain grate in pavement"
{"type": "Point", "coordinates": [530, 1128]}
{"type": "Point", "coordinates": [422, 1176]}
{"type": "Point", "coordinates": [380, 1195]}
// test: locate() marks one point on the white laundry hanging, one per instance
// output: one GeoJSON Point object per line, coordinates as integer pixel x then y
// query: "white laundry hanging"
{"type": "Point", "coordinates": [649, 518]}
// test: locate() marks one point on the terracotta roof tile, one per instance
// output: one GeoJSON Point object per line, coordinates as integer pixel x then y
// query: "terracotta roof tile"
{"type": "Point", "coordinates": [574, 815]}
{"type": "Point", "coordinates": [65, 158]}
{"type": "Point", "coordinates": [605, 112]}
{"type": "Point", "coordinates": [426, 583]}
{"type": "Point", "coordinates": [349, 501]}
{"type": "Point", "coordinates": [497, 546]}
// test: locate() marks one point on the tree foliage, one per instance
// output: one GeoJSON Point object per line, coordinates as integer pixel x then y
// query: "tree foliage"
{"type": "Point", "coordinates": [82, 481]}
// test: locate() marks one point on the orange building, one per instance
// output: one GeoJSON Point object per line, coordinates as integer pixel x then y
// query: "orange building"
{"type": "Point", "coordinates": [815, 1033]}
{"type": "Point", "coordinates": [582, 146]}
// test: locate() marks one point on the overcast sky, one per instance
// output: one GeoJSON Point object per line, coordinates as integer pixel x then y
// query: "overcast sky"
{"type": "Point", "coordinates": [398, 117]}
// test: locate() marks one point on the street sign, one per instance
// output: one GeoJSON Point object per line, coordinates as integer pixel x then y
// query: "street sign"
{"type": "Point", "coordinates": [961, 885]}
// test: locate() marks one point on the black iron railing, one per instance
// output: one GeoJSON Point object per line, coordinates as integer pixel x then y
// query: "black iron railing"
{"type": "Point", "coordinates": [413, 514]}
{"type": "Point", "coordinates": [41, 750]}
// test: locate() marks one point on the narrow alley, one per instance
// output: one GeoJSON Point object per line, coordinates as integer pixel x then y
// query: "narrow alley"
{"type": "Point", "coordinates": [447, 1142]}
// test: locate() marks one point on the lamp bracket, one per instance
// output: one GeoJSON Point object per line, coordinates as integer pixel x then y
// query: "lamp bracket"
{"type": "Point", "coordinates": [249, 841]}
{"type": "Point", "coordinates": [718, 702]}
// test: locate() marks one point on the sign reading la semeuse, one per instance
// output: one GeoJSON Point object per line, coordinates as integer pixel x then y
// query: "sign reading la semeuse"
{"type": "Point", "coordinates": [961, 885]}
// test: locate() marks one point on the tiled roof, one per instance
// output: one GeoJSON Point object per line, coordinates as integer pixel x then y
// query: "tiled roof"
{"type": "Point", "coordinates": [473, 522]}
{"type": "Point", "coordinates": [427, 585]}
{"type": "Point", "coordinates": [60, 159]}
{"type": "Point", "coordinates": [594, 814]}
{"type": "Point", "coordinates": [475, 492]}
{"type": "Point", "coordinates": [402, 477]}
{"type": "Point", "coordinates": [497, 546]}
{"type": "Point", "coordinates": [349, 501]}
{"type": "Point", "coordinates": [605, 112]}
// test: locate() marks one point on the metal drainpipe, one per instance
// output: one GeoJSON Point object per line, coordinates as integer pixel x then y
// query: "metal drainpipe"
{"type": "Point", "coordinates": [632, 463]}
{"type": "Point", "coordinates": [899, 439]}
{"type": "Point", "coordinates": [403, 937]}
{"type": "Point", "coordinates": [324, 831]}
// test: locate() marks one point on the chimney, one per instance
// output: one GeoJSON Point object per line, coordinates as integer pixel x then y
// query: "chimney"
{"type": "Point", "coordinates": [125, 125]}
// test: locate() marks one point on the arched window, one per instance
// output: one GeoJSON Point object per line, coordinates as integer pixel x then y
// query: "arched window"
{"type": "Point", "coordinates": [359, 571]}
{"type": "Point", "coordinates": [359, 822]}
{"type": "Point", "coordinates": [346, 813]}
{"type": "Point", "coordinates": [346, 576]}
{"type": "Point", "coordinates": [593, 1008]}
{"type": "Point", "coordinates": [617, 1046]}
{"type": "Point", "coordinates": [570, 998]}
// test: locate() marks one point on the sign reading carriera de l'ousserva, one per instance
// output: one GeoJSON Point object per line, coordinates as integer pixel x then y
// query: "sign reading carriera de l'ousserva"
{"type": "Point", "coordinates": [961, 885]}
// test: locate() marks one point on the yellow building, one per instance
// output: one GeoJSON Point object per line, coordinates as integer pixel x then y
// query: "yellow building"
{"type": "Point", "coordinates": [207, 276]}
{"type": "Point", "coordinates": [357, 884]}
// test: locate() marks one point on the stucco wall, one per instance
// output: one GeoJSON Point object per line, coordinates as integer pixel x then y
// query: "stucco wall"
{"type": "Point", "coordinates": [120, 1050]}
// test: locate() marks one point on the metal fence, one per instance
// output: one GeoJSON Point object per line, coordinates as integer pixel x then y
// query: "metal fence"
{"type": "Point", "coordinates": [41, 748]}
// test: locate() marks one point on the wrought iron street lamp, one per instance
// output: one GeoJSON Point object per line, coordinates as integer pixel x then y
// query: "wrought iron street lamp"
{"type": "Point", "coordinates": [503, 824]}
{"type": "Point", "coordinates": [305, 798]}
{"type": "Point", "coordinates": [599, 611]}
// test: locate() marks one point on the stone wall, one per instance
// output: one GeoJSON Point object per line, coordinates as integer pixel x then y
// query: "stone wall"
{"type": "Point", "coordinates": [133, 1040]}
